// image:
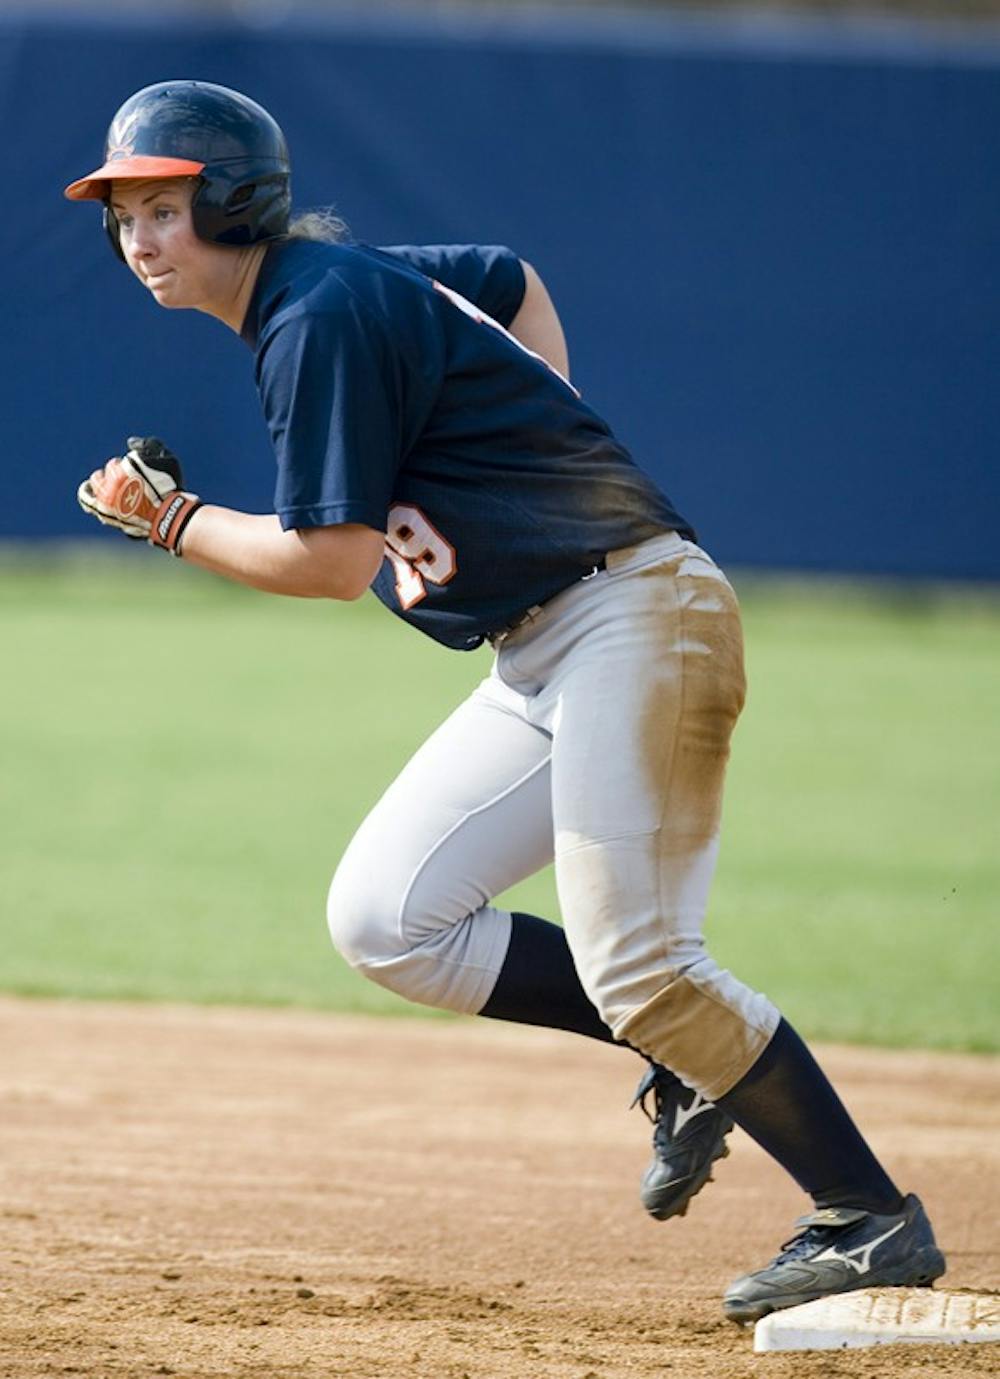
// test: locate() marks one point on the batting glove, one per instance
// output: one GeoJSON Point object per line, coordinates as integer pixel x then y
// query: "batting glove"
{"type": "Point", "coordinates": [141, 494]}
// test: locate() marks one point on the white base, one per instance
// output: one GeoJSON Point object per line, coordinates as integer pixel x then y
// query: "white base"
{"type": "Point", "coordinates": [880, 1315]}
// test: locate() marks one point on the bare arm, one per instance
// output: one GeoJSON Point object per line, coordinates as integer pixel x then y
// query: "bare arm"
{"type": "Point", "coordinates": [319, 562]}
{"type": "Point", "coordinates": [537, 325]}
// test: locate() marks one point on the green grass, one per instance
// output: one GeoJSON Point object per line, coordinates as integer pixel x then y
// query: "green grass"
{"type": "Point", "coordinates": [183, 762]}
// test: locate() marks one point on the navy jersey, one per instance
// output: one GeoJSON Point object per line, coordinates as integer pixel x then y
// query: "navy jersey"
{"type": "Point", "coordinates": [395, 398]}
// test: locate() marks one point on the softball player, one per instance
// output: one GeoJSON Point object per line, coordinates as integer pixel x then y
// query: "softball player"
{"type": "Point", "coordinates": [430, 447]}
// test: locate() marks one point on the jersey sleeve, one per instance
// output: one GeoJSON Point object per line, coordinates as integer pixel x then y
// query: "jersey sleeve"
{"type": "Point", "coordinates": [488, 275]}
{"type": "Point", "coordinates": [330, 384]}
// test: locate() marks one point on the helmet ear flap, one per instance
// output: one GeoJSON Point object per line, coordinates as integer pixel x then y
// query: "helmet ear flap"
{"type": "Point", "coordinates": [113, 231]}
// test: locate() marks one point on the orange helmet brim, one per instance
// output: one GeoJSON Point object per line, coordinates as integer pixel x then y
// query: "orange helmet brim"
{"type": "Point", "coordinates": [96, 186]}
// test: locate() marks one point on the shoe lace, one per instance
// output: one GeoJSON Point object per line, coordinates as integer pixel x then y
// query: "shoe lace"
{"type": "Point", "coordinates": [647, 1085]}
{"type": "Point", "coordinates": [803, 1243]}
{"type": "Point", "coordinates": [659, 1082]}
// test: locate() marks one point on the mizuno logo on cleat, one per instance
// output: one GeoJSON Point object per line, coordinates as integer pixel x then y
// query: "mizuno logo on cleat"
{"type": "Point", "coordinates": [863, 1263]}
{"type": "Point", "coordinates": [698, 1105]}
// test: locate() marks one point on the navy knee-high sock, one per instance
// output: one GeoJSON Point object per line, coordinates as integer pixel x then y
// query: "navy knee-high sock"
{"type": "Point", "coordinates": [538, 983]}
{"type": "Point", "coordinates": [787, 1105]}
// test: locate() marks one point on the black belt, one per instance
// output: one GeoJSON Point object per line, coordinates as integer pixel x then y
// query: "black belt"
{"type": "Point", "coordinates": [530, 614]}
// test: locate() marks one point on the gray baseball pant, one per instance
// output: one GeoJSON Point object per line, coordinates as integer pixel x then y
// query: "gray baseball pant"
{"type": "Point", "coordinates": [601, 738]}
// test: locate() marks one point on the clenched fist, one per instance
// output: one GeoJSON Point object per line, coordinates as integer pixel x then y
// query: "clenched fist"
{"type": "Point", "coordinates": [141, 494]}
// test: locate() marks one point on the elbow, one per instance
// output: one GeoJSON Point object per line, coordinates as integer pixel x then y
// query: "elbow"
{"type": "Point", "coordinates": [354, 577]}
{"type": "Point", "coordinates": [342, 586]}
{"type": "Point", "coordinates": [349, 590]}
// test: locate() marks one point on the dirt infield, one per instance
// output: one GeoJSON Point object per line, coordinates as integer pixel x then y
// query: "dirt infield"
{"type": "Point", "coordinates": [209, 1193]}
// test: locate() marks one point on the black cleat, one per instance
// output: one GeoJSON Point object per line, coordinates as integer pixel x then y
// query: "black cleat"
{"type": "Point", "coordinates": [689, 1135]}
{"type": "Point", "coordinates": [838, 1250]}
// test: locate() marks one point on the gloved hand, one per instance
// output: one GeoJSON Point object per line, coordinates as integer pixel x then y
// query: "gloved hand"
{"type": "Point", "coordinates": [141, 493]}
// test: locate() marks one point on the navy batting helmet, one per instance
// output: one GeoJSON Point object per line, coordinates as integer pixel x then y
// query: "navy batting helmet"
{"type": "Point", "coordinates": [196, 129]}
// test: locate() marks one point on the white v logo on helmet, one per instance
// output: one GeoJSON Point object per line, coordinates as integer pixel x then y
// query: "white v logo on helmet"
{"type": "Point", "coordinates": [122, 130]}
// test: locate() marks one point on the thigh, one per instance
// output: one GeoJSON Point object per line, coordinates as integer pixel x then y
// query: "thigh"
{"type": "Point", "coordinates": [646, 705]}
{"type": "Point", "coordinates": [646, 709]}
{"type": "Point", "coordinates": [468, 816]}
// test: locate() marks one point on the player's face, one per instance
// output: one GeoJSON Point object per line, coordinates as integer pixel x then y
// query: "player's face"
{"type": "Point", "coordinates": [162, 250]}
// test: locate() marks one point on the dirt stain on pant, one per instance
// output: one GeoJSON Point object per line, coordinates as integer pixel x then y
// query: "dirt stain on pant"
{"type": "Point", "coordinates": [705, 1025]}
{"type": "Point", "coordinates": [691, 713]}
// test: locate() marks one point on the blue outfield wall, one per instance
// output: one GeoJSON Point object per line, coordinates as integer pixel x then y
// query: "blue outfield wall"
{"type": "Point", "coordinates": [774, 247]}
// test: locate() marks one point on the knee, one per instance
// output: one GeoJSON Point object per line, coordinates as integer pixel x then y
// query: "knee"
{"type": "Point", "coordinates": [358, 915]}
{"type": "Point", "coordinates": [416, 952]}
